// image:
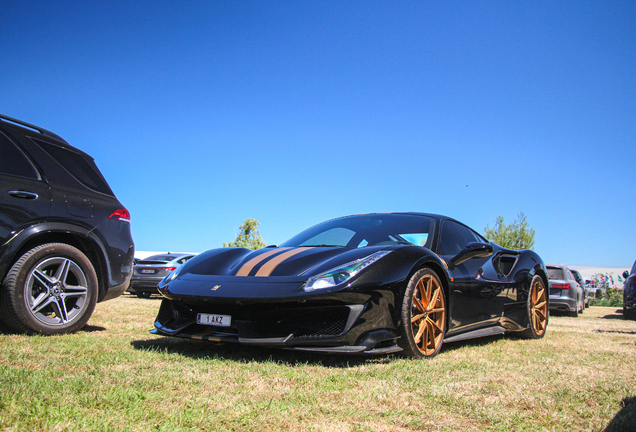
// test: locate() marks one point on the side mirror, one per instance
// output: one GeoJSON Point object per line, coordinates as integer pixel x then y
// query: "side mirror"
{"type": "Point", "coordinates": [625, 274]}
{"type": "Point", "coordinates": [472, 250]}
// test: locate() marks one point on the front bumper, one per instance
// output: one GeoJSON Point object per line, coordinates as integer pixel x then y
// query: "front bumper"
{"type": "Point", "coordinates": [354, 323]}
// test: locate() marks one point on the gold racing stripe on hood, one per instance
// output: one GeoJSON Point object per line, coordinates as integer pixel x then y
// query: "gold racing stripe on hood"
{"type": "Point", "coordinates": [270, 265]}
{"type": "Point", "coordinates": [248, 266]}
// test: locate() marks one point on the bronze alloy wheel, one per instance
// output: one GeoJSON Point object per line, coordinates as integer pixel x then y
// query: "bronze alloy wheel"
{"type": "Point", "coordinates": [423, 315]}
{"type": "Point", "coordinates": [537, 309]}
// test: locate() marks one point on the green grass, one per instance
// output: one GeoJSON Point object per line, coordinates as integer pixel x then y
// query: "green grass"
{"type": "Point", "coordinates": [114, 375]}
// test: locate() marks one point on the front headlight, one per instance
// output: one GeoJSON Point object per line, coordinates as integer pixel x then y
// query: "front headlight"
{"type": "Point", "coordinates": [343, 273]}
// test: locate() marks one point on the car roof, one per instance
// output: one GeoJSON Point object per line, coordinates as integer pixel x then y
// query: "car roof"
{"type": "Point", "coordinates": [431, 215]}
{"type": "Point", "coordinates": [28, 129]}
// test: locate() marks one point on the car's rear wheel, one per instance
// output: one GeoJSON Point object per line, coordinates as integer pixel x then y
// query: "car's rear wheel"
{"type": "Point", "coordinates": [537, 307]}
{"type": "Point", "coordinates": [423, 315]}
{"type": "Point", "coordinates": [143, 294]}
{"type": "Point", "coordinates": [51, 289]}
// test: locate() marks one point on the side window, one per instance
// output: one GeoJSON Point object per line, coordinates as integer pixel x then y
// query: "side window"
{"type": "Point", "coordinates": [14, 162]}
{"type": "Point", "coordinates": [454, 237]}
{"type": "Point", "coordinates": [78, 166]}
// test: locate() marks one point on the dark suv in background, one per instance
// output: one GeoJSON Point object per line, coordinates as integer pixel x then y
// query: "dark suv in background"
{"type": "Point", "coordinates": [65, 239]}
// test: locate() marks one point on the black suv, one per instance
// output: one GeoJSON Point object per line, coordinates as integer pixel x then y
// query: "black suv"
{"type": "Point", "coordinates": [65, 241]}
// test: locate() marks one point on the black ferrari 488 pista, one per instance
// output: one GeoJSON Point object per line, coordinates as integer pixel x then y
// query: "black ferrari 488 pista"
{"type": "Point", "coordinates": [373, 283]}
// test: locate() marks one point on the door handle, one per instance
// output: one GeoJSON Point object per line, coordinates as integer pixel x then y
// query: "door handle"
{"type": "Point", "coordinates": [23, 194]}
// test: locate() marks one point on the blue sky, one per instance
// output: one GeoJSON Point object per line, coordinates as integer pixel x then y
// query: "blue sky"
{"type": "Point", "coordinates": [203, 113]}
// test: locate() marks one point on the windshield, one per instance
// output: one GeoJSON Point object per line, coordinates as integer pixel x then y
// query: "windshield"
{"type": "Point", "coordinates": [367, 230]}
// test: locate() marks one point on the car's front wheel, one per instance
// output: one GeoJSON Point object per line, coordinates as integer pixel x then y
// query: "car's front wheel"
{"type": "Point", "coordinates": [51, 289]}
{"type": "Point", "coordinates": [537, 308]}
{"type": "Point", "coordinates": [423, 315]}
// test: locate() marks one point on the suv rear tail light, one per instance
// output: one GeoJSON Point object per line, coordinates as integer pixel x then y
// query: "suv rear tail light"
{"type": "Point", "coordinates": [121, 214]}
{"type": "Point", "coordinates": [170, 269]}
{"type": "Point", "coordinates": [560, 286]}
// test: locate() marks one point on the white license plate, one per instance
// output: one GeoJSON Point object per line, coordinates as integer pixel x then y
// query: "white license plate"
{"type": "Point", "coordinates": [147, 271]}
{"type": "Point", "coordinates": [214, 320]}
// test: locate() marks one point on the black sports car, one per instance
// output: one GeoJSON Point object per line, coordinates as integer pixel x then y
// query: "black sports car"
{"type": "Point", "coordinates": [373, 283]}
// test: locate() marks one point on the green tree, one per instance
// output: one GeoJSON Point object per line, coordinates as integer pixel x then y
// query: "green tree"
{"type": "Point", "coordinates": [515, 236]}
{"type": "Point", "coordinates": [248, 237]}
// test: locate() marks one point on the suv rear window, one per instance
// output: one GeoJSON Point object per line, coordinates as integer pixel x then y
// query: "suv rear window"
{"type": "Point", "coordinates": [160, 258]}
{"type": "Point", "coordinates": [78, 166]}
{"type": "Point", "coordinates": [555, 273]}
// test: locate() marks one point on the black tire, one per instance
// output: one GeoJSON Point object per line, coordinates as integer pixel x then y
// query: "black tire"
{"type": "Point", "coordinates": [144, 294]}
{"type": "Point", "coordinates": [537, 309]}
{"type": "Point", "coordinates": [423, 315]}
{"type": "Point", "coordinates": [575, 313]}
{"type": "Point", "coordinates": [629, 314]}
{"type": "Point", "coordinates": [5, 328]}
{"type": "Point", "coordinates": [51, 289]}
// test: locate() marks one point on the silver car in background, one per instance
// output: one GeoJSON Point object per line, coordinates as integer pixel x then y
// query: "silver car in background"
{"type": "Point", "coordinates": [566, 295]}
{"type": "Point", "coordinates": [586, 290]}
{"type": "Point", "coordinates": [148, 272]}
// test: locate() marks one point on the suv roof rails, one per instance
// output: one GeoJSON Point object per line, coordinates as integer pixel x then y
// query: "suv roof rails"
{"type": "Point", "coordinates": [32, 127]}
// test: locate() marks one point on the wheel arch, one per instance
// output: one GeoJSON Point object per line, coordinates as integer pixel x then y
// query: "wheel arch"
{"type": "Point", "coordinates": [438, 266]}
{"type": "Point", "coordinates": [428, 327]}
{"type": "Point", "coordinates": [78, 237]}
{"type": "Point", "coordinates": [540, 270]}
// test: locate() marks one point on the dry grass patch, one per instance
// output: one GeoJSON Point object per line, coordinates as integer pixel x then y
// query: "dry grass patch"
{"type": "Point", "coordinates": [115, 375]}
